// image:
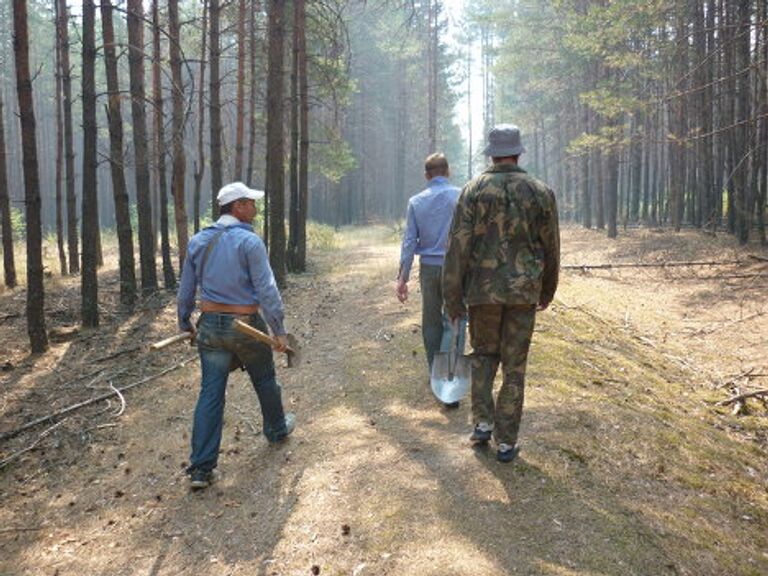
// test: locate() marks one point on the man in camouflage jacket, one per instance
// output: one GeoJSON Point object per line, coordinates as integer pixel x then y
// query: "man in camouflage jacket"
{"type": "Point", "coordinates": [502, 265]}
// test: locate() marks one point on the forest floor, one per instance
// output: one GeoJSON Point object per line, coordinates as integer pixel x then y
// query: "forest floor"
{"type": "Point", "coordinates": [628, 465]}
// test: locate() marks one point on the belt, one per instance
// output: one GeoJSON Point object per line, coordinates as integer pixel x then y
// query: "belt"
{"type": "Point", "coordinates": [219, 308]}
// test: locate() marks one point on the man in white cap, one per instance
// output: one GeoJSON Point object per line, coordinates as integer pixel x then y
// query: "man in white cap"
{"type": "Point", "coordinates": [502, 264]}
{"type": "Point", "coordinates": [228, 263]}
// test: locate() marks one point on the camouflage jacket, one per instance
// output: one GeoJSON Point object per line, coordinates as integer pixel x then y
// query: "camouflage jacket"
{"type": "Point", "coordinates": [504, 244]}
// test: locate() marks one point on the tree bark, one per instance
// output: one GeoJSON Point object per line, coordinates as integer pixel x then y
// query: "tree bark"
{"type": "Point", "coordinates": [215, 104]}
{"type": "Point", "coordinates": [9, 264]}
{"type": "Point", "coordinates": [255, 7]}
{"type": "Point", "coordinates": [59, 152]}
{"type": "Point", "coordinates": [35, 288]}
{"type": "Point", "coordinates": [240, 113]}
{"type": "Point", "coordinates": [119, 190]}
{"type": "Point", "coordinates": [169, 276]}
{"type": "Point", "coordinates": [275, 185]}
{"type": "Point", "coordinates": [179, 159]}
{"type": "Point", "coordinates": [89, 287]}
{"type": "Point", "coordinates": [69, 147]}
{"type": "Point", "coordinates": [139, 117]}
{"type": "Point", "coordinates": [200, 164]}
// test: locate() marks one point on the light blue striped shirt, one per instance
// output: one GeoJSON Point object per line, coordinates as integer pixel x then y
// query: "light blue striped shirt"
{"type": "Point", "coordinates": [427, 223]}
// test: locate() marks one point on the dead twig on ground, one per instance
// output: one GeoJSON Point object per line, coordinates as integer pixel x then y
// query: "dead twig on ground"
{"type": "Point", "coordinates": [72, 408]}
{"type": "Point", "coordinates": [118, 353]}
{"type": "Point", "coordinates": [608, 266]}
{"type": "Point", "coordinates": [743, 396]}
{"type": "Point", "coordinates": [5, 461]}
{"type": "Point", "coordinates": [736, 378]}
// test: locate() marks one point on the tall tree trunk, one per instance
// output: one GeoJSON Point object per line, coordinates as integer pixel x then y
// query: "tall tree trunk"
{"type": "Point", "coordinates": [179, 159]}
{"type": "Point", "coordinates": [200, 163]}
{"type": "Point", "coordinates": [240, 113]}
{"type": "Point", "coordinates": [741, 188]}
{"type": "Point", "coordinates": [254, 8]}
{"type": "Point", "coordinates": [169, 276]}
{"type": "Point", "coordinates": [119, 190]}
{"type": "Point", "coordinates": [762, 78]}
{"type": "Point", "coordinates": [432, 72]}
{"type": "Point", "coordinates": [89, 286]}
{"type": "Point", "coordinates": [136, 70]}
{"type": "Point", "coordinates": [301, 251]}
{"type": "Point", "coordinates": [35, 289]}
{"type": "Point", "coordinates": [9, 264]}
{"type": "Point", "coordinates": [677, 143]}
{"type": "Point", "coordinates": [215, 103]}
{"type": "Point", "coordinates": [275, 185]}
{"type": "Point", "coordinates": [69, 147]}
{"type": "Point", "coordinates": [59, 153]}
{"type": "Point", "coordinates": [293, 159]}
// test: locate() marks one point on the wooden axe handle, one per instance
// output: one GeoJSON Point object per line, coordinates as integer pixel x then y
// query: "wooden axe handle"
{"type": "Point", "coordinates": [171, 340]}
{"type": "Point", "coordinates": [258, 334]}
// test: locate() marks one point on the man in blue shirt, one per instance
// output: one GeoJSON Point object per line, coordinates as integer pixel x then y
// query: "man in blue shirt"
{"type": "Point", "coordinates": [229, 265]}
{"type": "Point", "coordinates": [427, 223]}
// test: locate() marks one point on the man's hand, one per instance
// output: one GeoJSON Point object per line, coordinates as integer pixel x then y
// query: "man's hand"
{"type": "Point", "coordinates": [282, 343]}
{"type": "Point", "coordinates": [193, 334]}
{"type": "Point", "coordinates": [401, 290]}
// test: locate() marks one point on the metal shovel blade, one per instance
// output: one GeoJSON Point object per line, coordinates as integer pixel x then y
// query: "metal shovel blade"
{"type": "Point", "coordinates": [450, 378]}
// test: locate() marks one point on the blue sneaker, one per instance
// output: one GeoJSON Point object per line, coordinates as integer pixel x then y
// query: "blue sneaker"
{"type": "Point", "coordinates": [507, 453]}
{"type": "Point", "coordinates": [481, 434]}
{"type": "Point", "coordinates": [200, 479]}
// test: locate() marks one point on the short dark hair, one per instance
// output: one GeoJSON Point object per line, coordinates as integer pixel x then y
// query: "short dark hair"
{"type": "Point", "coordinates": [227, 208]}
{"type": "Point", "coordinates": [436, 165]}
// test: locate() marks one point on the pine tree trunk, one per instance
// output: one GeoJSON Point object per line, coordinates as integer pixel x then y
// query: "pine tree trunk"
{"type": "Point", "coordinates": [275, 176]}
{"type": "Point", "coordinates": [293, 160]}
{"type": "Point", "coordinates": [255, 7]}
{"type": "Point", "coordinates": [69, 147]}
{"type": "Point", "coordinates": [240, 118]}
{"type": "Point", "coordinates": [59, 152]}
{"type": "Point", "coordinates": [139, 117]}
{"type": "Point", "coordinates": [9, 264]}
{"type": "Point", "coordinates": [303, 142]}
{"type": "Point", "coordinates": [89, 288]}
{"type": "Point", "coordinates": [179, 159]}
{"type": "Point", "coordinates": [741, 188]}
{"type": "Point", "coordinates": [119, 190]}
{"type": "Point", "coordinates": [159, 153]}
{"type": "Point", "coordinates": [200, 164]}
{"type": "Point", "coordinates": [215, 104]}
{"type": "Point", "coordinates": [35, 288]}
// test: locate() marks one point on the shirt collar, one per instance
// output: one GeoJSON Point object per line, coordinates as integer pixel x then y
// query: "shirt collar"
{"type": "Point", "coordinates": [227, 220]}
{"type": "Point", "coordinates": [437, 180]}
{"type": "Point", "coordinates": [504, 168]}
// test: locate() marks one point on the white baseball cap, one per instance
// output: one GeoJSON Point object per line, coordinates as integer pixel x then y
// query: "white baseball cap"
{"type": "Point", "coordinates": [236, 191]}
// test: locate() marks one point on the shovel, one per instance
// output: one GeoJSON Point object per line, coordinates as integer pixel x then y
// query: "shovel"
{"type": "Point", "coordinates": [450, 376]}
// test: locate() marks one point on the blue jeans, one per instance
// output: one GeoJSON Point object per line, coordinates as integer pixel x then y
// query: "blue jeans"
{"type": "Point", "coordinates": [435, 326]}
{"type": "Point", "coordinates": [219, 346]}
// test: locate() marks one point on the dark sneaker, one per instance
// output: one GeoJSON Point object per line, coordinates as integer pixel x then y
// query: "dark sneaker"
{"type": "Point", "coordinates": [200, 479]}
{"type": "Point", "coordinates": [290, 426]}
{"type": "Point", "coordinates": [507, 453]}
{"type": "Point", "coordinates": [481, 434]}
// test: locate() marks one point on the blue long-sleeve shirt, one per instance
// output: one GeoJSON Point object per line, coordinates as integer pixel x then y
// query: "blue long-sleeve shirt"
{"type": "Point", "coordinates": [427, 223]}
{"type": "Point", "coordinates": [236, 271]}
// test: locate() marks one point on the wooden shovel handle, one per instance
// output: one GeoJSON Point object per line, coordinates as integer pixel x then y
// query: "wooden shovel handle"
{"type": "Point", "coordinates": [171, 340]}
{"type": "Point", "coordinates": [241, 326]}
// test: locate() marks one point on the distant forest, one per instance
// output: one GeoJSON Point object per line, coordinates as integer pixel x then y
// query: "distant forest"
{"type": "Point", "coordinates": [129, 115]}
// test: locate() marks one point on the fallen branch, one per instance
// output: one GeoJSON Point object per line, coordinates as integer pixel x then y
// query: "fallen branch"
{"type": "Point", "coordinates": [744, 396]}
{"type": "Point", "coordinates": [21, 529]}
{"type": "Point", "coordinates": [649, 265]}
{"type": "Point", "coordinates": [5, 461]}
{"type": "Point", "coordinates": [113, 392]}
{"type": "Point", "coordinates": [735, 379]}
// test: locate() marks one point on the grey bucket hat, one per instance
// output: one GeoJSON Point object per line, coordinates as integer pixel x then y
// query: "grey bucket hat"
{"type": "Point", "coordinates": [504, 140]}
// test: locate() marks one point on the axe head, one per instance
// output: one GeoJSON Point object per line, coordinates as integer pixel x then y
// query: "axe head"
{"type": "Point", "coordinates": [293, 354]}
